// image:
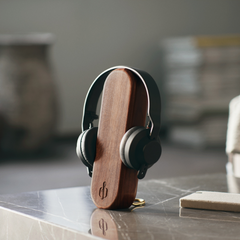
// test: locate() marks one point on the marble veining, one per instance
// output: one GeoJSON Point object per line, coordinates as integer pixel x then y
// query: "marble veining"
{"type": "Point", "coordinates": [70, 213]}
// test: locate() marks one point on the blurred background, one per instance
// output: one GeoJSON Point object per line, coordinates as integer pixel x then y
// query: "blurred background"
{"type": "Point", "coordinates": [191, 48]}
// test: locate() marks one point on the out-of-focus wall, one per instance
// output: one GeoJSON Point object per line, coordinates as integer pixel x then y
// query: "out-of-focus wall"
{"type": "Point", "coordinates": [93, 35]}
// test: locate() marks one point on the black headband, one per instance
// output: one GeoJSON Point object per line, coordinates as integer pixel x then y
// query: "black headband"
{"type": "Point", "coordinates": [153, 95]}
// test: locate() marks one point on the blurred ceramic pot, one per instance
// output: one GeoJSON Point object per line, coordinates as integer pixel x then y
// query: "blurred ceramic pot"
{"type": "Point", "coordinates": [28, 101]}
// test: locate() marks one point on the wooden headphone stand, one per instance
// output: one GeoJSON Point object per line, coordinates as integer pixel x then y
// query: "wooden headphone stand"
{"type": "Point", "coordinates": [124, 105]}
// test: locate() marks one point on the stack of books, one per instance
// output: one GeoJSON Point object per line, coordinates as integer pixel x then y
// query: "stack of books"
{"type": "Point", "coordinates": [202, 75]}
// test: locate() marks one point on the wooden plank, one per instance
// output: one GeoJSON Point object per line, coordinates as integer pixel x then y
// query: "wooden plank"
{"type": "Point", "coordinates": [219, 201]}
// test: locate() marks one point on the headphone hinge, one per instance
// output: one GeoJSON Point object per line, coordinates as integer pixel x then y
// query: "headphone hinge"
{"type": "Point", "coordinates": [90, 117]}
{"type": "Point", "coordinates": [142, 171]}
{"type": "Point", "coordinates": [89, 171]}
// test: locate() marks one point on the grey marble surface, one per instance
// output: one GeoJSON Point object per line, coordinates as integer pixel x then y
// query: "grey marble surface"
{"type": "Point", "coordinates": [70, 214]}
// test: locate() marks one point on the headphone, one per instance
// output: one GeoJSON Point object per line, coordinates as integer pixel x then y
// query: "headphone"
{"type": "Point", "coordinates": [140, 147]}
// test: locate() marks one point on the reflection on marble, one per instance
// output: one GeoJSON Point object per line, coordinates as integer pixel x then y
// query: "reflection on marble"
{"type": "Point", "coordinates": [71, 214]}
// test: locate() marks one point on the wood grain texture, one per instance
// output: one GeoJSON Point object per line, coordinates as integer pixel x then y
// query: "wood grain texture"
{"type": "Point", "coordinates": [124, 105]}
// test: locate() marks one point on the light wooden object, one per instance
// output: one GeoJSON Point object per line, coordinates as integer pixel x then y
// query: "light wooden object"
{"type": "Point", "coordinates": [212, 201]}
{"type": "Point", "coordinates": [124, 105]}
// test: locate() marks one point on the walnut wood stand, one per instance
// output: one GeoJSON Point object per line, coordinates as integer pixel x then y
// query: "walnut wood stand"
{"type": "Point", "coordinates": [124, 105]}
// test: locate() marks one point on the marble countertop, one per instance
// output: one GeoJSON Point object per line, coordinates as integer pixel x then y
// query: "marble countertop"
{"type": "Point", "coordinates": [70, 213]}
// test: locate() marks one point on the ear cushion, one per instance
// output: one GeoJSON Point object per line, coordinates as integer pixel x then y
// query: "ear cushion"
{"type": "Point", "coordinates": [152, 151]}
{"type": "Point", "coordinates": [86, 146]}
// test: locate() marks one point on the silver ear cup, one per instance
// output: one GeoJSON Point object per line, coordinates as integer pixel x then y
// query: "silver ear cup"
{"type": "Point", "coordinates": [86, 146]}
{"type": "Point", "coordinates": [133, 150]}
{"type": "Point", "coordinates": [137, 150]}
{"type": "Point", "coordinates": [123, 144]}
{"type": "Point", "coordinates": [78, 146]}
